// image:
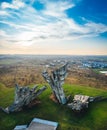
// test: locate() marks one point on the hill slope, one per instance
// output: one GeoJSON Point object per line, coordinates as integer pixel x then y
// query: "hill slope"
{"type": "Point", "coordinates": [94, 118]}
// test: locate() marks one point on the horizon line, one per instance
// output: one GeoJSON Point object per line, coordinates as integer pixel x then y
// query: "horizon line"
{"type": "Point", "coordinates": [60, 54]}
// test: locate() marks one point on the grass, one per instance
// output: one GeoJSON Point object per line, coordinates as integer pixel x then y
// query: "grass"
{"type": "Point", "coordinates": [94, 118]}
{"type": "Point", "coordinates": [98, 70]}
{"type": "Point", "coordinates": [9, 61]}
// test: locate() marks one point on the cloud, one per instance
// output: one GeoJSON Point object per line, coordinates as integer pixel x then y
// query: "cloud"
{"type": "Point", "coordinates": [96, 27]}
{"type": "Point", "coordinates": [16, 4]}
{"type": "Point", "coordinates": [3, 13]}
{"type": "Point", "coordinates": [56, 9]}
{"type": "Point", "coordinates": [3, 34]}
{"type": "Point", "coordinates": [52, 22]}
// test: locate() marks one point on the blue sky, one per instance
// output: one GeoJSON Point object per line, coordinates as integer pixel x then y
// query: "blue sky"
{"type": "Point", "coordinates": [72, 27]}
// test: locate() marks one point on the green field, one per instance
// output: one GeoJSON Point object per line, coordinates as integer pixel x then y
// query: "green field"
{"type": "Point", "coordinates": [98, 70]}
{"type": "Point", "coordinates": [94, 118]}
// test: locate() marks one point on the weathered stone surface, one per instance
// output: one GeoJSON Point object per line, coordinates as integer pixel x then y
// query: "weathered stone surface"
{"type": "Point", "coordinates": [38, 124]}
{"type": "Point", "coordinates": [24, 96]}
{"type": "Point", "coordinates": [79, 102]}
{"type": "Point", "coordinates": [55, 80]}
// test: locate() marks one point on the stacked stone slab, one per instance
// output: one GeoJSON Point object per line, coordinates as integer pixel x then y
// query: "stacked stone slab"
{"type": "Point", "coordinates": [38, 124]}
{"type": "Point", "coordinates": [79, 102]}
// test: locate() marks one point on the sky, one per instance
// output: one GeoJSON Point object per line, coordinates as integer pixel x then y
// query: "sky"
{"type": "Point", "coordinates": [71, 27]}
